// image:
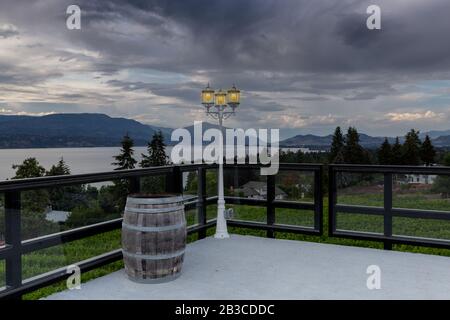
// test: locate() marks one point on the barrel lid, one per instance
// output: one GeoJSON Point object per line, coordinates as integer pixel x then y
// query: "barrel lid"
{"type": "Point", "coordinates": [163, 198]}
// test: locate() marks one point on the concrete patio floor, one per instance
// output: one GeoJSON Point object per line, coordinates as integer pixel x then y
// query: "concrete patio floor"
{"type": "Point", "coordinates": [246, 267]}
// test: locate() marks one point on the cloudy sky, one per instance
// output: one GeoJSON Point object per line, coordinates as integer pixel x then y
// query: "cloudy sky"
{"type": "Point", "coordinates": [304, 65]}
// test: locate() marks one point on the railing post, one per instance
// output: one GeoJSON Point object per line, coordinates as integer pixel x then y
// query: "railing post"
{"type": "Point", "coordinates": [135, 185]}
{"type": "Point", "coordinates": [388, 210]}
{"type": "Point", "coordinates": [201, 201]}
{"type": "Point", "coordinates": [174, 181]}
{"type": "Point", "coordinates": [13, 238]}
{"type": "Point", "coordinates": [332, 200]}
{"type": "Point", "coordinates": [318, 200]}
{"type": "Point", "coordinates": [270, 207]}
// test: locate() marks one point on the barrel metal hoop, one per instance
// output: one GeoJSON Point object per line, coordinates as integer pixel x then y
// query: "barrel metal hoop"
{"type": "Point", "coordinates": [153, 257]}
{"type": "Point", "coordinates": [155, 201]}
{"type": "Point", "coordinates": [153, 210]}
{"type": "Point", "coordinates": [153, 229]}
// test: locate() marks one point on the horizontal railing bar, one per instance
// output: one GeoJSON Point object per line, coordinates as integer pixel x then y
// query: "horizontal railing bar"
{"type": "Point", "coordinates": [438, 170]}
{"type": "Point", "coordinates": [245, 201]}
{"type": "Point", "coordinates": [294, 205]}
{"type": "Point", "coordinates": [356, 209]}
{"type": "Point", "coordinates": [69, 235]}
{"type": "Point", "coordinates": [199, 227]}
{"type": "Point", "coordinates": [66, 180]}
{"type": "Point", "coordinates": [5, 251]}
{"type": "Point", "coordinates": [414, 241]}
{"type": "Point", "coordinates": [396, 212]}
{"type": "Point", "coordinates": [274, 227]}
{"type": "Point", "coordinates": [421, 214]}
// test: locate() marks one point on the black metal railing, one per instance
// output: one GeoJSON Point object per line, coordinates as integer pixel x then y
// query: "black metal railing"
{"type": "Point", "coordinates": [387, 211]}
{"type": "Point", "coordinates": [14, 248]}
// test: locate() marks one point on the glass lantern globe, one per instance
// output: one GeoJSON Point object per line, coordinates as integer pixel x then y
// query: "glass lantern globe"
{"type": "Point", "coordinates": [233, 96]}
{"type": "Point", "coordinates": [221, 98]}
{"type": "Point", "coordinates": [208, 96]}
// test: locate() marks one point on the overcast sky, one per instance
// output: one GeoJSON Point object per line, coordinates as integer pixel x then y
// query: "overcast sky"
{"type": "Point", "coordinates": [303, 65]}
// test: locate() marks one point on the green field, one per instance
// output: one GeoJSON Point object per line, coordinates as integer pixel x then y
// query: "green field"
{"type": "Point", "coordinates": [49, 259]}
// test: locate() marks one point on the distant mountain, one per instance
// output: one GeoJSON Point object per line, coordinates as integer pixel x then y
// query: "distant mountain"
{"type": "Point", "coordinates": [72, 130]}
{"type": "Point", "coordinates": [435, 134]}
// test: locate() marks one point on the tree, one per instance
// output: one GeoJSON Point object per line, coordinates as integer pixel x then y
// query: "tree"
{"type": "Point", "coordinates": [156, 152]}
{"type": "Point", "coordinates": [427, 151]}
{"type": "Point", "coordinates": [34, 202]}
{"type": "Point", "coordinates": [156, 157]}
{"type": "Point", "coordinates": [354, 153]}
{"type": "Point", "coordinates": [30, 168]}
{"type": "Point", "coordinates": [396, 152]}
{"type": "Point", "coordinates": [337, 145]}
{"type": "Point", "coordinates": [384, 153]}
{"type": "Point", "coordinates": [125, 159]}
{"type": "Point", "coordinates": [60, 169]}
{"type": "Point", "coordinates": [411, 148]}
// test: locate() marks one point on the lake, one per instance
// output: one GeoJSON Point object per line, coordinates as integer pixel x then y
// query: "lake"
{"type": "Point", "coordinates": [80, 160]}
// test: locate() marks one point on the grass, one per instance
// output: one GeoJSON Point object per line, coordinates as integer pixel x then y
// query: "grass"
{"type": "Point", "coordinates": [45, 260]}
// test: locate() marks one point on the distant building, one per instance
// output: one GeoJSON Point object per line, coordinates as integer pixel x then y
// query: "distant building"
{"type": "Point", "coordinates": [258, 190]}
{"type": "Point", "coordinates": [420, 179]}
{"type": "Point", "coordinates": [56, 216]}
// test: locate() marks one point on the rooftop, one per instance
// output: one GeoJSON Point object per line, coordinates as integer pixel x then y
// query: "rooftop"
{"type": "Point", "coordinates": [247, 267]}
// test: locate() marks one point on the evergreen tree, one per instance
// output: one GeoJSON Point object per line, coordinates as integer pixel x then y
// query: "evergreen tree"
{"type": "Point", "coordinates": [411, 148]}
{"type": "Point", "coordinates": [156, 152]}
{"type": "Point", "coordinates": [337, 145]}
{"type": "Point", "coordinates": [397, 152]}
{"type": "Point", "coordinates": [125, 159]}
{"type": "Point", "coordinates": [354, 153]}
{"type": "Point", "coordinates": [156, 157]}
{"type": "Point", "coordinates": [427, 152]}
{"type": "Point", "coordinates": [60, 169]}
{"type": "Point", "coordinates": [384, 153]}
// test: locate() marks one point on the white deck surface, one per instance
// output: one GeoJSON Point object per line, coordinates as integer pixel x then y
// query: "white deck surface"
{"type": "Point", "coordinates": [245, 267]}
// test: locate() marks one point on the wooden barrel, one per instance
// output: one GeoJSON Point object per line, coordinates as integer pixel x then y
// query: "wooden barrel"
{"type": "Point", "coordinates": [153, 237]}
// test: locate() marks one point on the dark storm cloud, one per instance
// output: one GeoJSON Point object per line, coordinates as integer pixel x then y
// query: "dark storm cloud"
{"type": "Point", "coordinates": [284, 54]}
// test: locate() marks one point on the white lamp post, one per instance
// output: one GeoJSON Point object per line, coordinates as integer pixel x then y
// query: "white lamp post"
{"type": "Point", "coordinates": [220, 105]}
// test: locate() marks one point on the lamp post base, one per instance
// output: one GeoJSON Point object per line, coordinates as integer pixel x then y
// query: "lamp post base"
{"type": "Point", "coordinates": [221, 226]}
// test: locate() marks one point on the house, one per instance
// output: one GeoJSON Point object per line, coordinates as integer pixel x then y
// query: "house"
{"type": "Point", "coordinates": [258, 190]}
{"type": "Point", "coordinates": [420, 179]}
{"type": "Point", "coordinates": [56, 216]}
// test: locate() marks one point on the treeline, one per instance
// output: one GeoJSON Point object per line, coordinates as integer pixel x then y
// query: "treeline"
{"type": "Point", "coordinates": [346, 149]}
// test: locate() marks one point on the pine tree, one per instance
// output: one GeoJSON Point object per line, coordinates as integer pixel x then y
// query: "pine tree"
{"type": "Point", "coordinates": [337, 145]}
{"type": "Point", "coordinates": [397, 152]}
{"type": "Point", "coordinates": [156, 152]}
{"type": "Point", "coordinates": [411, 148]}
{"type": "Point", "coordinates": [125, 159]}
{"type": "Point", "coordinates": [384, 153]}
{"type": "Point", "coordinates": [60, 169]}
{"type": "Point", "coordinates": [354, 153]}
{"type": "Point", "coordinates": [427, 152]}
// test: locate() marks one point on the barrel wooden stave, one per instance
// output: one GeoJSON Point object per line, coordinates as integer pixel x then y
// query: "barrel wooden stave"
{"type": "Point", "coordinates": [153, 243]}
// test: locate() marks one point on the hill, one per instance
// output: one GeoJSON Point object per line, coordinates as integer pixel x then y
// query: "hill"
{"type": "Point", "coordinates": [72, 130]}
